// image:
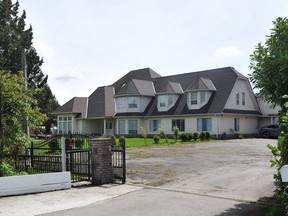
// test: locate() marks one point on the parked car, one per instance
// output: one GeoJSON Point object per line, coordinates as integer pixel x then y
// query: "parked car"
{"type": "Point", "coordinates": [269, 131]}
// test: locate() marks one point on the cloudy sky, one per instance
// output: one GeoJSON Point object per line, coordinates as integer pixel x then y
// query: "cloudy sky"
{"type": "Point", "coordinates": [91, 43]}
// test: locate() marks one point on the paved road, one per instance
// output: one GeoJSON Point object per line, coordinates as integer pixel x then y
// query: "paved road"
{"type": "Point", "coordinates": [218, 178]}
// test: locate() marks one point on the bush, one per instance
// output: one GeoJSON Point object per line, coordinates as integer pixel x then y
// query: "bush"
{"type": "Point", "coordinates": [208, 135]}
{"type": "Point", "coordinates": [79, 144]}
{"type": "Point", "coordinates": [163, 135]}
{"type": "Point", "coordinates": [202, 135]}
{"type": "Point", "coordinates": [114, 139]}
{"type": "Point", "coordinates": [176, 132]}
{"type": "Point", "coordinates": [195, 136]}
{"type": "Point", "coordinates": [6, 169]}
{"type": "Point", "coordinates": [184, 137]}
{"type": "Point", "coordinates": [156, 139]}
{"type": "Point", "coordinates": [189, 137]}
{"type": "Point", "coordinates": [121, 139]}
{"type": "Point", "coordinates": [53, 145]}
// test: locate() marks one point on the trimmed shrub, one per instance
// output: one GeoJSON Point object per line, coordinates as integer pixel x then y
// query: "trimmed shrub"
{"type": "Point", "coordinates": [208, 135]}
{"type": "Point", "coordinates": [202, 135]}
{"type": "Point", "coordinates": [189, 137]}
{"type": "Point", "coordinates": [184, 137]}
{"type": "Point", "coordinates": [121, 139]}
{"type": "Point", "coordinates": [156, 139]}
{"type": "Point", "coordinates": [176, 132]}
{"type": "Point", "coordinates": [195, 136]}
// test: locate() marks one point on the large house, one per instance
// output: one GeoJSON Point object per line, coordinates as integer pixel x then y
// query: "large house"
{"type": "Point", "coordinates": [219, 100]}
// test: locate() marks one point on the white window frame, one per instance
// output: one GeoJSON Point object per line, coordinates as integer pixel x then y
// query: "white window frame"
{"type": "Point", "coordinates": [243, 99]}
{"type": "Point", "coordinates": [121, 123]}
{"type": "Point", "coordinates": [132, 102]}
{"type": "Point", "coordinates": [133, 126]}
{"type": "Point", "coordinates": [236, 124]}
{"type": "Point", "coordinates": [162, 100]}
{"type": "Point", "coordinates": [237, 98]}
{"type": "Point", "coordinates": [65, 124]}
{"type": "Point", "coordinates": [193, 98]}
{"type": "Point", "coordinates": [121, 103]}
{"type": "Point", "coordinates": [170, 100]}
{"type": "Point", "coordinates": [154, 125]}
{"type": "Point", "coordinates": [202, 97]}
{"type": "Point", "coordinates": [207, 126]}
{"type": "Point", "coordinates": [180, 123]}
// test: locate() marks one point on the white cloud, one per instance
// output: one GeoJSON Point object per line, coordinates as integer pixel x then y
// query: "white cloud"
{"type": "Point", "coordinates": [43, 49]}
{"type": "Point", "coordinates": [228, 52]}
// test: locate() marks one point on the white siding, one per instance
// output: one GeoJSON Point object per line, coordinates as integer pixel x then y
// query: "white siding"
{"type": "Point", "coordinates": [248, 125]}
{"type": "Point", "coordinates": [242, 86]}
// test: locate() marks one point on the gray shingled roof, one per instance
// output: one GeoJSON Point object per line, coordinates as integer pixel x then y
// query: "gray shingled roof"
{"type": "Point", "coordinates": [75, 105]}
{"type": "Point", "coordinates": [137, 87]}
{"type": "Point", "coordinates": [141, 74]}
{"type": "Point", "coordinates": [168, 88]}
{"type": "Point", "coordinates": [101, 103]}
{"type": "Point", "coordinates": [138, 82]}
{"type": "Point", "coordinates": [202, 84]}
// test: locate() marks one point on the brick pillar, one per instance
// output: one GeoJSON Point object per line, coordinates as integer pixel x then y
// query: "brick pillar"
{"type": "Point", "coordinates": [101, 159]}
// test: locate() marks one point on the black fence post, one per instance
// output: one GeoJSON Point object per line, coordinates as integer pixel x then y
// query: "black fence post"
{"type": "Point", "coordinates": [122, 143]}
{"type": "Point", "coordinates": [32, 154]}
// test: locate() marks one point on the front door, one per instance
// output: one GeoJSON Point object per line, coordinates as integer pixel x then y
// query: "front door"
{"type": "Point", "coordinates": [109, 128]}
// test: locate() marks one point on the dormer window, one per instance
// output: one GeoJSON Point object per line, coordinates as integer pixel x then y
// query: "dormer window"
{"type": "Point", "coordinates": [132, 102]}
{"type": "Point", "coordinates": [166, 101]}
{"type": "Point", "coordinates": [162, 101]}
{"type": "Point", "coordinates": [170, 100]}
{"type": "Point", "coordinates": [193, 98]}
{"type": "Point", "coordinates": [197, 99]}
{"type": "Point", "coordinates": [202, 96]}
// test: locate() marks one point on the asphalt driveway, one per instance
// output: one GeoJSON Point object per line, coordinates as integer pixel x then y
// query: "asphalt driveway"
{"type": "Point", "coordinates": [234, 169]}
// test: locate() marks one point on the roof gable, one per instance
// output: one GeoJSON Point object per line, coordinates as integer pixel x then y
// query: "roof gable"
{"type": "Point", "coordinates": [137, 87]}
{"type": "Point", "coordinates": [169, 88]}
{"type": "Point", "coordinates": [202, 84]}
{"type": "Point", "coordinates": [75, 105]}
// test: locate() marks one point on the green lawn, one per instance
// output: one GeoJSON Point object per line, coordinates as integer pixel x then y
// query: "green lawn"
{"type": "Point", "coordinates": [139, 142]}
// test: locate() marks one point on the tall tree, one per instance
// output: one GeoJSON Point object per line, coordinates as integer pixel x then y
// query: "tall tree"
{"type": "Point", "coordinates": [15, 103]}
{"type": "Point", "coordinates": [269, 65]}
{"type": "Point", "coordinates": [15, 39]}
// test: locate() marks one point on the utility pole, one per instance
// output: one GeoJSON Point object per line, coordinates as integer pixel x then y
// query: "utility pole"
{"type": "Point", "coordinates": [24, 66]}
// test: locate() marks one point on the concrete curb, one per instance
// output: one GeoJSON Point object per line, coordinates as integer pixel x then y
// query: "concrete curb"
{"type": "Point", "coordinates": [35, 204]}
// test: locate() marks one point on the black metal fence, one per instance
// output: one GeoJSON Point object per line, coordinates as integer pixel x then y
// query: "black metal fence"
{"type": "Point", "coordinates": [119, 161]}
{"type": "Point", "coordinates": [46, 157]}
{"type": "Point", "coordinates": [78, 162]}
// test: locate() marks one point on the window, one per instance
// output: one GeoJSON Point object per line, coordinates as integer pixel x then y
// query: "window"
{"type": "Point", "coordinates": [243, 98]}
{"type": "Point", "coordinates": [170, 100]}
{"type": "Point", "coordinates": [109, 125]}
{"type": "Point", "coordinates": [236, 124]}
{"type": "Point", "coordinates": [202, 96]}
{"type": "Point", "coordinates": [193, 98]}
{"type": "Point", "coordinates": [132, 102]}
{"type": "Point", "coordinates": [132, 126]}
{"type": "Point", "coordinates": [121, 126]}
{"type": "Point", "coordinates": [204, 124]}
{"type": "Point", "coordinates": [237, 98]}
{"type": "Point", "coordinates": [161, 100]}
{"type": "Point", "coordinates": [154, 125]}
{"type": "Point", "coordinates": [121, 103]}
{"type": "Point", "coordinates": [180, 123]}
{"type": "Point", "coordinates": [65, 124]}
